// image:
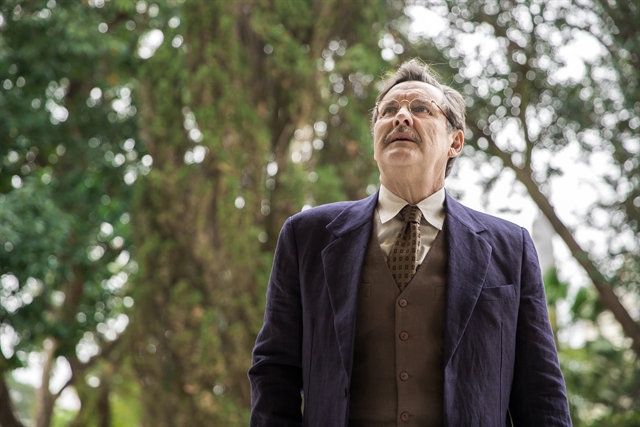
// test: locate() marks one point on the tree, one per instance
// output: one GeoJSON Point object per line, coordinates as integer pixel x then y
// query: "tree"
{"type": "Point", "coordinates": [234, 106]}
{"type": "Point", "coordinates": [526, 112]}
{"type": "Point", "coordinates": [68, 152]}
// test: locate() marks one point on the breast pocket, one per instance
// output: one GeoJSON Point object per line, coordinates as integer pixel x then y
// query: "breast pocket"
{"type": "Point", "coordinates": [497, 293]}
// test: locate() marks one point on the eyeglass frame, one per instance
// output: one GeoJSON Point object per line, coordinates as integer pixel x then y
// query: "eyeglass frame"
{"type": "Point", "coordinates": [409, 109]}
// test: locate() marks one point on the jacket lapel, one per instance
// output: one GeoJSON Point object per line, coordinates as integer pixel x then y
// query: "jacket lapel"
{"type": "Point", "coordinates": [468, 261]}
{"type": "Point", "coordinates": [342, 260]}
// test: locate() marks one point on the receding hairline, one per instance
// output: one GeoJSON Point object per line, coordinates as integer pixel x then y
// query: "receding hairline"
{"type": "Point", "coordinates": [416, 70]}
{"type": "Point", "coordinates": [442, 97]}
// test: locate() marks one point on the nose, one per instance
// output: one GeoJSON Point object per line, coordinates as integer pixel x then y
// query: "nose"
{"type": "Point", "coordinates": [403, 117]}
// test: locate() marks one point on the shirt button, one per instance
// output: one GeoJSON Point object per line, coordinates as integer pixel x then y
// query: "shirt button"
{"type": "Point", "coordinates": [404, 336]}
{"type": "Point", "coordinates": [404, 416]}
{"type": "Point", "coordinates": [404, 376]}
{"type": "Point", "coordinates": [402, 303]}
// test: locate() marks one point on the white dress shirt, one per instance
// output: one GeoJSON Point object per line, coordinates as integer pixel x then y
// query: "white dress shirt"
{"type": "Point", "coordinates": [389, 222]}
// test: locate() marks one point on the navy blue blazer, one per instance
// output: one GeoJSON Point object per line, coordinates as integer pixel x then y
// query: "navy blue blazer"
{"type": "Point", "coordinates": [499, 352]}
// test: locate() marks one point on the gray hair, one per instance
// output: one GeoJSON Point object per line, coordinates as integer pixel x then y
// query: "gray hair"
{"type": "Point", "coordinates": [417, 70]}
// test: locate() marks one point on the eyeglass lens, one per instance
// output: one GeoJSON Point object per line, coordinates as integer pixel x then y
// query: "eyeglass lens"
{"type": "Point", "coordinates": [419, 107]}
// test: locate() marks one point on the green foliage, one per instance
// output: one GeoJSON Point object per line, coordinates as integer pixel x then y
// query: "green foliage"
{"type": "Point", "coordinates": [602, 378]}
{"type": "Point", "coordinates": [555, 289]}
{"type": "Point", "coordinates": [125, 410]}
{"type": "Point", "coordinates": [59, 170]}
{"type": "Point", "coordinates": [27, 215]}
{"type": "Point", "coordinates": [63, 417]}
{"type": "Point", "coordinates": [586, 305]}
{"type": "Point", "coordinates": [67, 147]}
{"type": "Point", "coordinates": [602, 384]}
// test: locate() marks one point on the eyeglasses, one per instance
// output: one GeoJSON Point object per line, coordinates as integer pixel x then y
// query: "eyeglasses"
{"type": "Point", "coordinates": [418, 107]}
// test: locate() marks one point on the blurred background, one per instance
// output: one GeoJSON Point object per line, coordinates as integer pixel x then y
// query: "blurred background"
{"type": "Point", "coordinates": [150, 151]}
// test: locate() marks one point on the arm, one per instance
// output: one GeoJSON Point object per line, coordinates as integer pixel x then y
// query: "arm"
{"type": "Point", "coordinates": [538, 396]}
{"type": "Point", "coordinates": [276, 374]}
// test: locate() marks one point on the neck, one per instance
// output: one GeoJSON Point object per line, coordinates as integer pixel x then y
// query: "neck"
{"type": "Point", "coordinates": [410, 190]}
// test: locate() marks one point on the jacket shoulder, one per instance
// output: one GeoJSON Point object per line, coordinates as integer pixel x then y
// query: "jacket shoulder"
{"type": "Point", "coordinates": [338, 217]}
{"type": "Point", "coordinates": [492, 222]}
{"type": "Point", "coordinates": [488, 226]}
{"type": "Point", "coordinates": [322, 214]}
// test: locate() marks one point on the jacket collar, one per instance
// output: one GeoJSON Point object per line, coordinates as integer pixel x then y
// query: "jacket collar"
{"type": "Point", "coordinates": [353, 216]}
{"type": "Point", "coordinates": [463, 214]}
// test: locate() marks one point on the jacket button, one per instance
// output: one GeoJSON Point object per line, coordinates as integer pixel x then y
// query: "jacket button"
{"type": "Point", "coordinates": [402, 303]}
{"type": "Point", "coordinates": [404, 336]}
{"type": "Point", "coordinates": [404, 416]}
{"type": "Point", "coordinates": [404, 376]}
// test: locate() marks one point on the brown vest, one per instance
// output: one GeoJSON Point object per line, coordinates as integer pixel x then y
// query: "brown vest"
{"type": "Point", "coordinates": [398, 377]}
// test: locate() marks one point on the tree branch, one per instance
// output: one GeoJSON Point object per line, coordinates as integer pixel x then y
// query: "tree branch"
{"type": "Point", "coordinates": [603, 286]}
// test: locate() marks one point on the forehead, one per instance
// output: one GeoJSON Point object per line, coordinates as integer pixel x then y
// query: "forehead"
{"type": "Point", "coordinates": [414, 89]}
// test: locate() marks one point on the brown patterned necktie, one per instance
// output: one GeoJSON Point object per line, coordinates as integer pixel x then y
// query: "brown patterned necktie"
{"type": "Point", "coordinates": [403, 259]}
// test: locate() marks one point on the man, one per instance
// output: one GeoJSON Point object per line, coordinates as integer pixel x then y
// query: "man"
{"type": "Point", "coordinates": [407, 308]}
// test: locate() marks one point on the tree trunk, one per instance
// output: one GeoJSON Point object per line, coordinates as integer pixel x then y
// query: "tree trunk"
{"type": "Point", "coordinates": [203, 270]}
{"type": "Point", "coordinates": [44, 399]}
{"type": "Point", "coordinates": [103, 406]}
{"type": "Point", "coordinates": [7, 415]}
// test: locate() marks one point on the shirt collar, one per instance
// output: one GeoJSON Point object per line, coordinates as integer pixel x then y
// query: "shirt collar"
{"type": "Point", "coordinates": [390, 204]}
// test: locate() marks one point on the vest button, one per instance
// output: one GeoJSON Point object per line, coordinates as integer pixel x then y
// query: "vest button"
{"type": "Point", "coordinates": [404, 416]}
{"type": "Point", "coordinates": [404, 336]}
{"type": "Point", "coordinates": [404, 376]}
{"type": "Point", "coordinates": [402, 303]}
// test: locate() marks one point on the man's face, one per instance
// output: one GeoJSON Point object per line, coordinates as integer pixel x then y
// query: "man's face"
{"type": "Point", "coordinates": [403, 140]}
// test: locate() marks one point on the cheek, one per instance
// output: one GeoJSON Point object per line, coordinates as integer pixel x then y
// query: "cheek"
{"type": "Point", "coordinates": [433, 134]}
{"type": "Point", "coordinates": [378, 133]}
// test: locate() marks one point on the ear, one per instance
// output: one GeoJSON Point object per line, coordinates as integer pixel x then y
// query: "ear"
{"type": "Point", "coordinates": [457, 142]}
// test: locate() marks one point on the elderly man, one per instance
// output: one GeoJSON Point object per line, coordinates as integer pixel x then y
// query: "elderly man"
{"type": "Point", "coordinates": [407, 308]}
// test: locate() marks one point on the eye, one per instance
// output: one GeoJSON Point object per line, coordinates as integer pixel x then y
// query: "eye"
{"type": "Point", "coordinates": [390, 111]}
{"type": "Point", "coordinates": [420, 109]}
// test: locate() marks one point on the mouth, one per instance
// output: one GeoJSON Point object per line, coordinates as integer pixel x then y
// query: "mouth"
{"type": "Point", "coordinates": [402, 134]}
{"type": "Point", "coordinates": [401, 137]}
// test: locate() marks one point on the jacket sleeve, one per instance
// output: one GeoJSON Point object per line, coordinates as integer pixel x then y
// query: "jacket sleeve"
{"type": "Point", "coordinates": [538, 395]}
{"type": "Point", "coordinates": [276, 373]}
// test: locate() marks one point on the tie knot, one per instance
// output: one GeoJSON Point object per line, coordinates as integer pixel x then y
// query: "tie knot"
{"type": "Point", "coordinates": [411, 213]}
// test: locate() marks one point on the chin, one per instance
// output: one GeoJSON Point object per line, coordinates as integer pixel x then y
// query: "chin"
{"type": "Point", "coordinates": [400, 161]}
{"type": "Point", "coordinates": [401, 153]}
